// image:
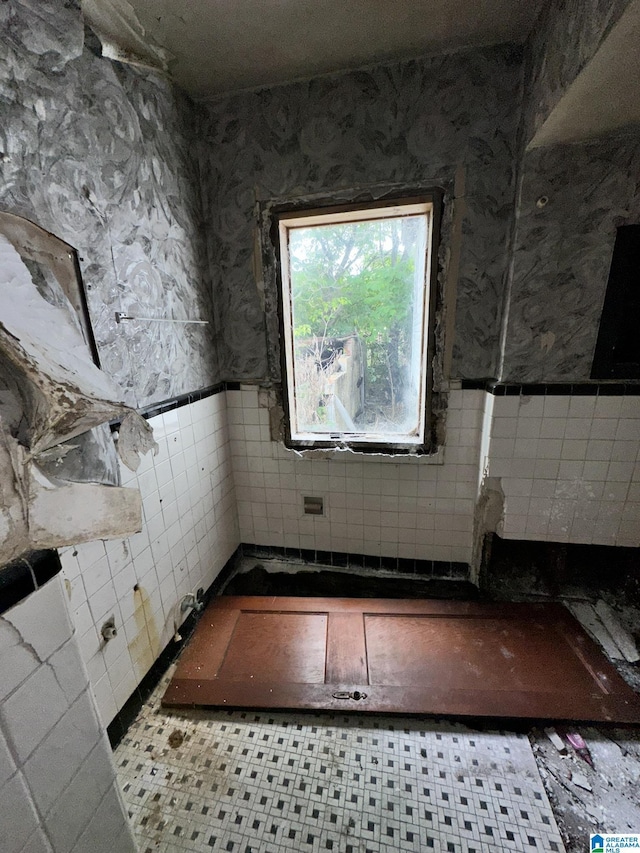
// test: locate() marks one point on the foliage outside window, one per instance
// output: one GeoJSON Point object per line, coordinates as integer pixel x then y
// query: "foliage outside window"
{"type": "Point", "coordinates": [355, 315]}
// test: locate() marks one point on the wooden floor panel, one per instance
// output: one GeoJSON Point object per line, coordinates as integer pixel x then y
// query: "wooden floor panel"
{"type": "Point", "coordinates": [403, 656]}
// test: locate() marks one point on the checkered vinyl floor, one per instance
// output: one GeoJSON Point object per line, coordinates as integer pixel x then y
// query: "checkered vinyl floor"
{"type": "Point", "coordinates": [265, 782]}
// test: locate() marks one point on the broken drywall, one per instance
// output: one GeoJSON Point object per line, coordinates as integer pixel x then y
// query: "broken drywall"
{"type": "Point", "coordinates": [122, 34]}
{"type": "Point", "coordinates": [135, 437]}
{"type": "Point", "coordinates": [47, 363]}
{"type": "Point", "coordinates": [53, 392]}
{"type": "Point", "coordinates": [37, 513]}
{"type": "Point", "coordinates": [488, 518]}
{"type": "Point", "coordinates": [87, 458]}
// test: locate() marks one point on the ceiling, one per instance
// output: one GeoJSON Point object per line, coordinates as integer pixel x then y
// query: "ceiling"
{"type": "Point", "coordinates": [213, 47]}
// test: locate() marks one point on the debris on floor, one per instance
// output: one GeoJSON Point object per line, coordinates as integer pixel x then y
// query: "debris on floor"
{"type": "Point", "coordinates": [621, 637]}
{"type": "Point", "coordinates": [587, 799]}
{"type": "Point", "coordinates": [581, 781]}
{"type": "Point", "coordinates": [608, 606]}
{"type": "Point", "coordinates": [176, 738]}
{"type": "Point", "coordinates": [271, 782]}
{"type": "Point", "coordinates": [556, 740]}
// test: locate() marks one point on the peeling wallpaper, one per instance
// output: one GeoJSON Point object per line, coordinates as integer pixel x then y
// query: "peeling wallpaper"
{"type": "Point", "coordinates": [100, 154]}
{"type": "Point", "coordinates": [121, 165]}
{"type": "Point", "coordinates": [566, 36]}
{"type": "Point", "coordinates": [398, 123]}
{"type": "Point", "coordinates": [562, 254]}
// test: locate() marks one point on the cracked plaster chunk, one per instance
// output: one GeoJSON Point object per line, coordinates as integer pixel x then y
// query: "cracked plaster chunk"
{"type": "Point", "coordinates": [35, 513]}
{"type": "Point", "coordinates": [135, 438]}
{"type": "Point", "coordinates": [13, 493]}
{"type": "Point", "coordinates": [81, 512]}
{"type": "Point", "coordinates": [62, 394]}
{"type": "Point", "coordinates": [622, 638]}
{"type": "Point", "coordinates": [68, 393]}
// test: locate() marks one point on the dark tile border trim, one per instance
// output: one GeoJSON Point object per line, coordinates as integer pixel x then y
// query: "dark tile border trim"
{"type": "Point", "coordinates": [475, 384]}
{"type": "Point", "coordinates": [338, 559]}
{"type": "Point", "coordinates": [181, 400]}
{"type": "Point", "coordinates": [117, 729]}
{"type": "Point", "coordinates": [549, 389]}
{"type": "Point", "coordinates": [21, 577]}
{"type": "Point", "coordinates": [491, 386]}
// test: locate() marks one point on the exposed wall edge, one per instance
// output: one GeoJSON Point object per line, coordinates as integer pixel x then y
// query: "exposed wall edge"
{"type": "Point", "coordinates": [26, 575]}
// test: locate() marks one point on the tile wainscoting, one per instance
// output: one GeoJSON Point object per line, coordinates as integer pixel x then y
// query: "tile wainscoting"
{"type": "Point", "coordinates": [568, 465]}
{"type": "Point", "coordinates": [58, 789]}
{"type": "Point", "coordinates": [189, 532]}
{"type": "Point", "coordinates": [397, 507]}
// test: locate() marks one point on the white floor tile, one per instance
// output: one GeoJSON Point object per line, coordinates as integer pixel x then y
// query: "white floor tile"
{"type": "Point", "coordinates": [249, 782]}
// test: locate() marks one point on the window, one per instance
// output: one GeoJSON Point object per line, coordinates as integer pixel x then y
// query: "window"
{"type": "Point", "coordinates": [356, 311]}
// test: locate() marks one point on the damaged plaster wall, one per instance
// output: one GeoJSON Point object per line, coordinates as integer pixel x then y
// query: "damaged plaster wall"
{"type": "Point", "coordinates": [412, 122]}
{"type": "Point", "coordinates": [54, 392]}
{"type": "Point", "coordinates": [99, 154]}
{"type": "Point", "coordinates": [564, 249]}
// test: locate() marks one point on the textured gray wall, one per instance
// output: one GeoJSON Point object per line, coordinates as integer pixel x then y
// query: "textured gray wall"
{"type": "Point", "coordinates": [405, 122]}
{"type": "Point", "coordinates": [566, 36]}
{"type": "Point", "coordinates": [75, 124]}
{"type": "Point", "coordinates": [563, 251]}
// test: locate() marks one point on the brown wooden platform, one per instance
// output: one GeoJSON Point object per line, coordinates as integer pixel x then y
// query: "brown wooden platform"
{"type": "Point", "coordinates": [407, 656]}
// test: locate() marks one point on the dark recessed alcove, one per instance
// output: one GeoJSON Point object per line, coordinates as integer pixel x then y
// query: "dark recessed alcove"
{"type": "Point", "coordinates": [617, 354]}
{"type": "Point", "coordinates": [516, 569]}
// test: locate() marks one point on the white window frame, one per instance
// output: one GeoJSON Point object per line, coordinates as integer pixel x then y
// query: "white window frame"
{"type": "Point", "coordinates": [421, 442]}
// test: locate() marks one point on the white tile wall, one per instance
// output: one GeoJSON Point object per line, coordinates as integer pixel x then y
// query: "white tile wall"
{"type": "Point", "coordinates": [56, 767]}
{"type": "Point", "coordinates": [389, 506]}
{"type": "Point", "coordinates": [569, 467]}
{"type": "Point", "coordinates": [190, 530]}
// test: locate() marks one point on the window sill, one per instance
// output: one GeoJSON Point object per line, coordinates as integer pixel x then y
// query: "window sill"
{"type": "Point", "coordinates": [380, 454]}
